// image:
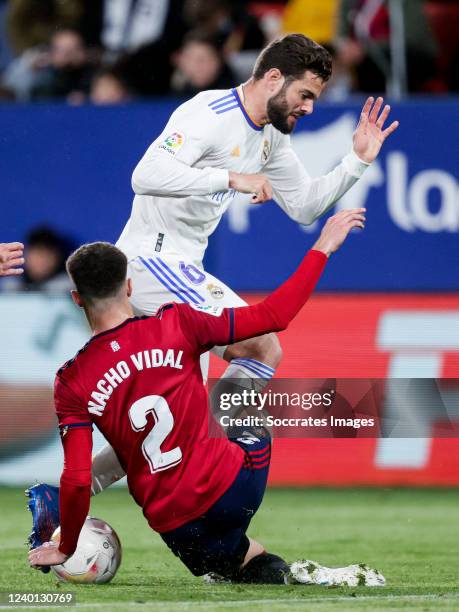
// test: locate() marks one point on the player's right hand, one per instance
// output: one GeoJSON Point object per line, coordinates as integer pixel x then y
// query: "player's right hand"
{"type": "Point", "coordinates": [258, 184]}
{"type": "Point", "coordinates": [337, 228]}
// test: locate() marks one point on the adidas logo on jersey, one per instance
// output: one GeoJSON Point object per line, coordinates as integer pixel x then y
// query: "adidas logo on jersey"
{"type": "Point", "coordinates": [236, 152]}
{"type": "Point", "coordinates": [115, 346]}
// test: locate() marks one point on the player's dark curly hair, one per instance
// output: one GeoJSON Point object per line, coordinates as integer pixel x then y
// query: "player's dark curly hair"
{"type": "Point", "coordinates": [98, 270]}
{"type": "Point", "coordinates": [293, 54]}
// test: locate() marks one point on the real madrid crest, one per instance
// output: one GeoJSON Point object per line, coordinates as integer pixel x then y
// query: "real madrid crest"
{"type": "Point", "coordinates": [266, 151]}
{"type": "Point", "coordinates": [215, 291]}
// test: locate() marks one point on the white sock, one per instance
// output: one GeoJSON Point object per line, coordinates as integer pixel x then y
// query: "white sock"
{"type": "Point", "coordinates": [241, 374]}
{"type": "Point", "coordinates": [250, 373]}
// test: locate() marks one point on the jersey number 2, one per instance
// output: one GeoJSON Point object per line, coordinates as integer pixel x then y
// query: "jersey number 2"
{"type": "Point", "coordinates": [164, 422]}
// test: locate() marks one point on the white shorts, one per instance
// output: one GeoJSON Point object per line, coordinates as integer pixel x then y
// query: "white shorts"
{"type": "Point", "coordinates": [159, 279]}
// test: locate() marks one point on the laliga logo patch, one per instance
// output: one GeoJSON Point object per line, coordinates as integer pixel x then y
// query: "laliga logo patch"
{"type": "Point", "coordinates": [173, 143]}
{"type": "Point", "coordinates": [215, 311]}
{"type": "Point", "coordinates": [215, 291]}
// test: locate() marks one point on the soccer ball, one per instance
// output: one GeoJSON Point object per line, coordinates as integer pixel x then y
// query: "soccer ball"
{"type": "Point", "coordinates": [97, 557]}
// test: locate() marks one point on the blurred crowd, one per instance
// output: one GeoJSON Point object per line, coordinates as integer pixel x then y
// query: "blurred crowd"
{"type": "Point", "coordinates": [43, 255]}
{"type": "Point", "coordinates": [114, 51]}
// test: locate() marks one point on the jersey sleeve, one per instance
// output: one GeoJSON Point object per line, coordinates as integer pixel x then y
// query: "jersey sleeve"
{"type": "Point", "coordinates": [167, 168]}
{"type": "Point", "coordinates": [75, 485]}
{"type": "Point", "coordinates": [206, 326]}
{"type": "Point", "coordinates": [75, 489]}
{"type": "Point", "coordinates": [303, 198]}
{"type": "Point", "coordinates": [279, 308]}
{"type": "Point", "coordinates": [70, 409]}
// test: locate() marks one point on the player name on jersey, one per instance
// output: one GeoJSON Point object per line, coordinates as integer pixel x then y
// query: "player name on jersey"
{"type": "Point", "coordinates": [143, 360]}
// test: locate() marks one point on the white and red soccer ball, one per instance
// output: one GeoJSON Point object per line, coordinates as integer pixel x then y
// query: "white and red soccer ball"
{"type": "Point", "coordinates": [97, 557]}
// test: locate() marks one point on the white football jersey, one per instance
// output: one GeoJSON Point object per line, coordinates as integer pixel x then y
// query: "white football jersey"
{"type": "Point", "coordinates": [181, 183]}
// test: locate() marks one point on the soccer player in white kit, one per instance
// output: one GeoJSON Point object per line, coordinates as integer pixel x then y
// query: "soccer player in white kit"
{"type": "Point", "coordinates": [219, 146]}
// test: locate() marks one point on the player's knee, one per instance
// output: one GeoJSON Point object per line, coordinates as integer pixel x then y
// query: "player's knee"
{"type": "Point", "coordinates": [275, 349]}
{"type": "Point", "coordinates": [266, 349]}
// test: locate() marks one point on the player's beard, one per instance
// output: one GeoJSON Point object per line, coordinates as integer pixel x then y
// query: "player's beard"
{"type": "Point", "coordinates": [278, 112]}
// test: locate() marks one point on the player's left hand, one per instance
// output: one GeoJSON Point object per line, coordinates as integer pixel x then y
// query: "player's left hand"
{"type": "Point", "coordinates": [369, 134]}
{"type": "Point", "coordinates": [47, 554]}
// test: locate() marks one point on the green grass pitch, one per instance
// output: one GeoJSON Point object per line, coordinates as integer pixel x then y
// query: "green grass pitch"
{"type": "Point", "coordinates": [410, 535]}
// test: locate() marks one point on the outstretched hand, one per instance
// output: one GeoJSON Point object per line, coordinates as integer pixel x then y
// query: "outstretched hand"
{"type": "Point", "coordinates": [47, 554]}
{"type": "Point", "coordinates": [369, 134]}
{"type": "Point", "coordinates": [337, 228]}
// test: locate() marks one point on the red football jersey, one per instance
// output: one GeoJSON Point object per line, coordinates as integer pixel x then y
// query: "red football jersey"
{"type": "Point", "coordinates": [141, 384]}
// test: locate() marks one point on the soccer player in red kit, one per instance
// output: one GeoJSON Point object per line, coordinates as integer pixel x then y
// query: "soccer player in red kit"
{"type": "Point", "coordinates": [139, 380]}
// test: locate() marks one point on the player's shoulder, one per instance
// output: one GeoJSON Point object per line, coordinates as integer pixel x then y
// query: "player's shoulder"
{"type": "Point", "coordinates": [67, 382]}
{"type": "Point", "coordinates": [184, 312]}
{"type": "Point", "coordinates": [213, 104]}
{"type": "Point", "coordinates": [67, 368]}
{"type": "Point", "coordinates": [221, 101]}
{"type": "Point", "coordinates": [88, 354]}
{"type": "Point", "coordinates": [208, 309]}
{"type": "Point", "coordinates": [169, 309]}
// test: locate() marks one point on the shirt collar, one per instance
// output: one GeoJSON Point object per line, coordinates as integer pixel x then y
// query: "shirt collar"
{"type": "Point", "coordinates": [239, 95]}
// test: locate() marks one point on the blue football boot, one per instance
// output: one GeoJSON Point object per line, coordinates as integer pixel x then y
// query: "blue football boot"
{"type": "Point", "coordinates": [44, 505]}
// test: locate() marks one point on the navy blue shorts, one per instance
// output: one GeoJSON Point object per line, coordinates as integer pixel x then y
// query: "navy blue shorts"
{"type": "Point", "coordinates": [216, 541]}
